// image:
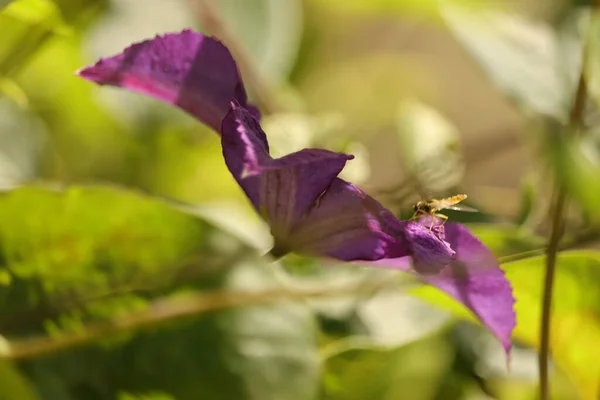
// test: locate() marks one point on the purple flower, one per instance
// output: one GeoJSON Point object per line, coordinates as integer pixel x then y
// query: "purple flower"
{"type": "Point", "coordinates": [308, 208]}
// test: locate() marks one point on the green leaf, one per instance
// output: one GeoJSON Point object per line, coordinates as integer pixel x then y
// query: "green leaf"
{"type": "Point", "coordinates": [505, 241]}
{"type": "Point", "coordinates": [422, 8]}
{"type": "Point", "coordinates": [87, 241]}
{"type": "Point", "coordinates": [414, 371]}
{"type": "Point", "coordinates": [13, 385]}
{"type": "Point", "coordinates": [4, 3]}
{"type": "Point", "coordinates": [533, 63]}
{"type": "Point", "coordinates": [37, 12]}
{"type": "Point", "coordinates": [592, 66]}
{"type": "Point", "coordinates": [575, 318]}
{"type": "Point", "coordinates": [24, 26]}
{"type": "Point", "coordinates": [270, 30]}
{"type": "Point", "coordinates": [250, 352]}
{"type": "Point", "coordinates": [97, 254]}
{"type": "Point", "coordinates": [575, 160]}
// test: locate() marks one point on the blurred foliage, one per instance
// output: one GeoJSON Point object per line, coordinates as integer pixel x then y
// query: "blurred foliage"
{"type": "Point", "coordinates": [126, 249]}
{"type": "Point", "coordinates": [575, 326]}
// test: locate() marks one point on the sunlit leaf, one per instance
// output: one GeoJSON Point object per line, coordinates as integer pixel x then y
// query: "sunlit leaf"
{"type": "Point", "coordinates": [411, 372]}
{"type": "Point", "coordinates": [422, 8]}
{"type": "Point", "coordinates": [42, 13]}
{"type": "Point", "coordinates": [507, 240]}
{"type": "Point", "coordinates": [575, 320]}
{"type": "Point", "coordinates": [24, 26]}
{"type": "Point", "coordinates": [89, 241]}
{"type": "Point", "coordinates": [4, 3]}
{"type": "Point", "coordinates": [534, 64]}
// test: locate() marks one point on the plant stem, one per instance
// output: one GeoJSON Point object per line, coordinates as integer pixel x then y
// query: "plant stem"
{"type": "Point", "coordinates": [557, 227]}
{"type": "Point", "coordinates": [168, 309]}
{"type": "Point", "coordinates": [208, 16]}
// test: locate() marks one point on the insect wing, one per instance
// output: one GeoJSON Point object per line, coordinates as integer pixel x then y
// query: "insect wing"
{"type": "Point", "coordinates": [460, 207]}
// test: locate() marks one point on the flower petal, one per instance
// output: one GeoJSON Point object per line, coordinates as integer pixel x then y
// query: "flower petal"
{"type": "Point", "coordinates": [477, 281]}
{"type": "Point", "coordinates": [347, 224]}
{"type": "Point", "coordinates": [283, 189]}
{"type": "Point", "coordinates": [429, 253]}
{"type": "Point", "coordinates": [187, 69]}
{"type": "Point", "coordinates": [474, 278]}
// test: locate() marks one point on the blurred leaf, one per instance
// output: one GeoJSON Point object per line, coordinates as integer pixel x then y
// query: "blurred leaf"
{"type": "Point", "coordinates": [528, 201]}
{"type": "Point", "coordinates": [430, 147]}
{"type": "Point", "coordinates": [575, 161]}
{"type": "Point", "coordinates": [14, 92]}
{"type": "Point", "coordinates": [5, 278]}
{"type": "Point", "coordinates": [87, 143]}
{"type": "Point", "coordinates": [92, 253]}
{"type": "Point", "coordinates": [575, 319]}
{"type": "Point", "coordinates": [529, 389]}
{"type": "Point", "coordinates": [24, 26]}
{"type": "Point", "coordinates": [65, 247]}
{"type": "Point", "coordinates": [13, 385]}
{"type": "Point", "coordinates": [251, 352]}
{"type": "Point", "coordinates": [534, 64]}
{"type": "Point", "coordinates": [37, 12]}
{"type": "Point", "coordinates": [507, 240]}
{"type": "Point", "coordinates": [423, 8]}
{"type": "Point", "coordinates": [145, 396]}
{"type": "Point", "coordinates": [414, 371]}
{"type": "Point", "coordinates": [22, 139]}
{"type": "Point", "coordinates": [592, 66]}
{"type": "Point", "coordinates": [270, 30]}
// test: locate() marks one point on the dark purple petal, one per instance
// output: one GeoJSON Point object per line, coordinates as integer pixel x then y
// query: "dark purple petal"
{"type": "Point", "coordinates": [187, 69]}
{"type": "Point", "coordinates": [474, 278]}
{"type": "Point", "coordinates": [347, 224]}
{"type": "Point", "coordinates": [282, 190]}
{"type": "Point", "coordinates": [429, 253]}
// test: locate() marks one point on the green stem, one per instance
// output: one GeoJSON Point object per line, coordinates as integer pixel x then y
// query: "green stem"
{"type": "Point", "coordinates": [557, 227]}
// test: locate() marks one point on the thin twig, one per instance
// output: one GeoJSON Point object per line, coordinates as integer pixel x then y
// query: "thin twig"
{"type": "Point", "coordinates": [208, 16]}
{"type": "Point", "coordinates": [557, 228]}
{"type": "Point", "coordinates": [166, 310]}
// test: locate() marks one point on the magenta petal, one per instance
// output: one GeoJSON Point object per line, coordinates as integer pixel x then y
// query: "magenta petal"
{"type": "Point", "coordinates": [187, 69]}
{"type": "Point", "coordinates": [245, 150]}
{"type": "Point", "coordinates": [347, 224]}
{"type": "Point", "coordinates": [430, 254]}
{"type": "Point", "coordinates": [283, 189]}
{"type": "Point", "coordinates": [477, 281]}
{"type": "Point", "coordinates": [474, 278]}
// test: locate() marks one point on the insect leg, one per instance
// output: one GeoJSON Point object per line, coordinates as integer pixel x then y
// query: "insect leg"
{"type": "Point", "coordinates": [443, 217]}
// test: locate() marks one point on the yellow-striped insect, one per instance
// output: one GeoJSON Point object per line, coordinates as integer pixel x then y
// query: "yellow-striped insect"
{"type": "Point", "coordinates": [433, 206]}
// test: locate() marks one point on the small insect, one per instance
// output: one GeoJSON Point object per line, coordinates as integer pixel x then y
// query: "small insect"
{"type": "Point", "coordinates": [433, 206]}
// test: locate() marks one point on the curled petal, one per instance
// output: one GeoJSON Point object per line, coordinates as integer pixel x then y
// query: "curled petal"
{"type": "Point", "coordinates": [283, 190]}
{"type": "Point", "coordinates": [192, 71]}
{"type": "Point", "coordinates": [347, 224]}
{"type": "Point", "coordinates": [430, 254]}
